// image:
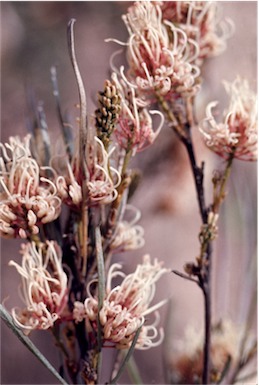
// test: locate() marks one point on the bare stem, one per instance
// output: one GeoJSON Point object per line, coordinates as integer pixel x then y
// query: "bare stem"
{"type": "Point", "coordinates": [184, 134]}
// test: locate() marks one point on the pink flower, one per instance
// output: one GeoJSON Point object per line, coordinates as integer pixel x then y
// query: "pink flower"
{"type": "Point", "coordinates": [44, 286]}
{"type": "Point", "coordinates": [28, 197]}
{"type": "Point", "coordinates": [237, 134]}
{"type": "Point", "coordinates": [128, 235]}
{"type": "Point", "coordinates": [126, 306]}
{"type": "Point", "coordinates": [135, 126]}
{"type": "Point", "coordinates": [200, 21]}
{"type": "Point", "coordinates": [157, 63]}
{"type": "Point", "coordinates": [101, 182]}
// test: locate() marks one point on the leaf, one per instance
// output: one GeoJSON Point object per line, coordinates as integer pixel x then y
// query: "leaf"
{"type": "Point", "coordinates": [133, 371]}
{"type": "Point", "coordinates": [65, 126]}
{"type": "Point", "coordinates": [127, 357]}
{"type": "Point", "coordinates": [101, 279]}
{"type": "Point", "coordinates": [28, 343]}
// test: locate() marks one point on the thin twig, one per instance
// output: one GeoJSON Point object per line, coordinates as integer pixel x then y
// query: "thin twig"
{"type": "Point", "coordinates": [186, 277]}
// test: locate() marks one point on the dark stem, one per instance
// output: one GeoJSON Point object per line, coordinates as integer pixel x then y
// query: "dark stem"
{"type": "Point", "coordinates": [197, 175]}
{"type": "Point", "coordinates": [184, 133]}
{"type": "Point", "coordinates": [205, 278]}
{"type": "Point", "coordinates": [207, 340]}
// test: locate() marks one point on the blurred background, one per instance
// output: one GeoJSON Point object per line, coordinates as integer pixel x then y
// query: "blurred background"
{"type": "Point", "coordinates": [33, 38]}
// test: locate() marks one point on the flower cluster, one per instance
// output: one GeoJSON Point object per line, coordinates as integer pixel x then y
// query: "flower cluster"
{"type": "Point", "coordinates": [28, 196]}
{"type": "Point", "coordinates": [135, 127]}
{"type": "Point", "coordinates": [125, 306]}
{"type": "Point", "coordinates": [44, 286]}
{"type": "Point", "coordinates": [200, 21]}
{"type": "Point", "coordinates": [160, 55]}
{"type": "Point", "coordinates": [102, 179]}
{"type": "Point", "coordinates": [237, 134]}
{"type": "Point", "coordinates": [128, 235]}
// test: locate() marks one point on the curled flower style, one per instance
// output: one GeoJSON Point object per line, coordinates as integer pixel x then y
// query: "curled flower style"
{"type": "Point", "coordinates": [102, 179]}
{"type": "Point", "coordinates": [128, 235]}
{"type": "Point", "coordinates": [200, 21]}
{"type": "Point", "coordinates": [27, 197]}
{"type": "Point", "coordinates": [126, 306]}
{"type": "Point", "coordinates": [135, 125]}
{"type": "Point", "coordinates": [186, 363]}
{"type": "Point", "coordinates": [237, 134]}
{"type": "Point", "coordinates": [44, 286]}
{"type": "Point", "coordinates": [157, 64]}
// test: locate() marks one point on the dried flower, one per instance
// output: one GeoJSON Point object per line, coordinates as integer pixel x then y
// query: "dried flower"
{"type": "Point", "coordinates": [125, 306]}
{"type": "Point", "coordinates": [128, 235]}
{"type": "Point", "coordinates": [28, 197]}
{"type": "Point", "coordinates": [157, 64]}
{"type": "Point", "coordinates": [187, 360]}
{"type": "Point", "coordinates": [44, 286]}
{"type": "Point", "coordinates": [135, 129]}
{"type": "Point", "coordinates": [200, 21]}
{"type": "Point", "coordinates": [237, 134]}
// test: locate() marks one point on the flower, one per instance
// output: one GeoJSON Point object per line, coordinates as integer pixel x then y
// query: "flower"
{"type": "Point", "coordinates": [28, 197]}
{"type": "Point", "coordinates": [186, 365]}
{"type": "Point", "coordinates": [101, 182]}
{"type": "Point", "coordinates": [126, 306]}
{"type": "Point", "coordinates": [135, 128]}
{"type": "Point", "coordinates": [199, 20]}
{"type": "Point", "coordinates": [128, 235]}
{"type": "Point", "coordinates": [237, 134]}
{"type": "Point", "coordinates": [157, 64]}
{"type": "Point", "coordinates": [44, 286]}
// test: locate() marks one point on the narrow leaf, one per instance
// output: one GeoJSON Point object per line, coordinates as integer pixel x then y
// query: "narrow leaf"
{"type": "Point", "coordinates": [133, 371]}
{"type": "Point", "coordinates": [100, 268]}
{"type": "Point", "coordinates": [29, 344]}
{"type": "Point", "coordinates": [127, 357]}
{"type": "Point", "coordinates": [101, 280]}
{"type": "Point", "coordinates": [65, 127]}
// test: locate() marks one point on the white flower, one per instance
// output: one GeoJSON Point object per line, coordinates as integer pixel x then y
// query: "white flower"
{"type": "Point", "coordinates": [28, 198]}
{"type": "Point", "coordinates": [237, 134]}
{"type": "Point", "coordinates": [157, 63]}
{"type": "Point", "coordinates": [126, 306]}
{"type": "Point", "coordinates": [135, 126]}
{"type": "Point", "coordinates": [101, 181]}
{"type": "Point", "coordinates": [200, 21]}
{"type": "Point", "coordinates": [44, 286]}
{"type": "Point", "coordinates": [128, 235]}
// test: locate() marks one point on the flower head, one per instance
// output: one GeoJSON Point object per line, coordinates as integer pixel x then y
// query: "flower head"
{"type": "Point", "coordinates": [101, 180]}
{"type": "Point", "coordinates": [28, 197]}
{"type": "Point", "coordinates": [128, 235]}
{"type": "Point", "coordinates": [199, 20]}
{"type": "Point", "coordinates": [237, 134]}
{"type": "Point", "coordinates": [44, 286]}
{"type": "Point", "coordinates": [135, 126]}
{"type": "Point", "coordinates": [156, 62]}
{"type": "Point", "coordinates": [126, 305]}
